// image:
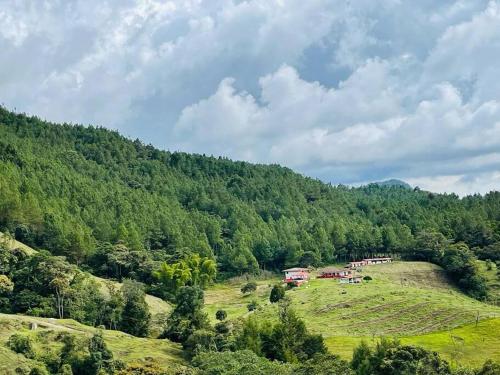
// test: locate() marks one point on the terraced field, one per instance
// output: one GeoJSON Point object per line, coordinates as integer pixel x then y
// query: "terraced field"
{"type": "Point", "coordinates": [404, 299]}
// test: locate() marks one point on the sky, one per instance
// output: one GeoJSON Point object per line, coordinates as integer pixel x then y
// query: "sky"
{"type": "Point", "coordinates": [345, 91]}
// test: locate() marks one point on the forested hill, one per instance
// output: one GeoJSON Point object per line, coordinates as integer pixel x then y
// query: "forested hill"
{"type": "Point", "coordinates": [79, 191]}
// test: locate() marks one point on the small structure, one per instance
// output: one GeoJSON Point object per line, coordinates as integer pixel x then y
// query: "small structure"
{"type": "Point", "coordinates": [351, 279]}
{"type": "Point", "coordinates": [370, 261]}
{"type": "Point", "coordinates": [355, 264]}
{"type": "Point", "coordinates": [296, 275]}
{"type": "Point", "coordinates": [333, 273]}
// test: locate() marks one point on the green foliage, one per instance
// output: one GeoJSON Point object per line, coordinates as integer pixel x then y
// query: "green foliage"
{"type": "Point", "coordinates": [237, 363]}
{"type": "Point", "coordinates": [21, 344]}
{"type": "Point", "coordinates": [221, 315]}
{"type": "Point", "coordinates": [187, 315]}
{"type": "Point", "coordinates": [192, 270]}
{"type": "Point", "coordinates": [100, 358]}
{"type": "Point", "coordinates": [324, 364]}
{"type": "Point", "coordinates": [6, 285]}
{"type": "Point", "coordinates": [277, 293]}
{"type": "Point", "coordinates": [135, 317]}
{"type": "Point", "coordinates": [253, 305]}
{"type": "Point", "coordinates": [367, 278]}
{"type": "Point", "coordinates": [489, 368]}
{"type": "Point", "coordinates": [249, 287]}
{"type": "Point", "coordinates": [286, 341]}
{"type": "Point", "coordinates": [39, 370]}
{"type": "Point", "coordinates": [391, 358]}
{"type": "Point", "coordinates": [118, 206]}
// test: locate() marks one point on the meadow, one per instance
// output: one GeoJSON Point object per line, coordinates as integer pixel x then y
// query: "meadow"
{"type": "Point", "coordinates": [411, 301]}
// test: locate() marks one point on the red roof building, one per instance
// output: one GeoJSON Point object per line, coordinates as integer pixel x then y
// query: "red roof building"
{"type": "Point", "coordinates": [296, 275]}
{"type": "Point", "coordinates": [333, 273]}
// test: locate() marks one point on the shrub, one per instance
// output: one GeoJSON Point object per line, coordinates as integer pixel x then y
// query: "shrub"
{"type": "Point", "coordinates": [39, 370]}
{"type": "Point", "coordinates": [6, 285]}
{"type": "Point", "coordinates": [277, 293]}
{"type": "Point", "coordinates": [367, 278]}
{"type": "Point", "coordinates": [221, 315]}
{"type": "Point", "coordinates": [21, 344]}
{"type": "Point", "coordinates": [249, 287]}
{"type": "Point", "coordinates": [252, 306]}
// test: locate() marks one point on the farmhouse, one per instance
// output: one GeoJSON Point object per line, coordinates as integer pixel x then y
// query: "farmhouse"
{"type": "Point", "coordinates": [368, 262]}
{"type": "Point", "coordinates": [355, 264]}
{"type": "Point", "coordinates": [296, 275]}
{"type": "Point", "coordinates": [333, 273]}
{"type": "Point", "coordinates": [377, 260]}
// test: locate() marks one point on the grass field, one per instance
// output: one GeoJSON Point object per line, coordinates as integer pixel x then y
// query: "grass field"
{"type": "Point", "coordinates": [492, 280]}
{"type": "Point", "coordinates": [407, 300]}
{"type": "Point", "coordinates": [469, 344]}
{"type": "Point", "coordinates": [127, 348]}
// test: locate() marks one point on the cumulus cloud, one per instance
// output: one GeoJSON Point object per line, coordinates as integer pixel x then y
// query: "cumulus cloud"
{"type": "Point", "coordinates": [343, 91]}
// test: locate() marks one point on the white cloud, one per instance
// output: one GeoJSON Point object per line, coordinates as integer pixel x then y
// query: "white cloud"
{"type": "Point", "coordinates": [344, 91]}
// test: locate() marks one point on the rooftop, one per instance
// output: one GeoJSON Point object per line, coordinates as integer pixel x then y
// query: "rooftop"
{"type": "Point", "coordinates": [332, 270]}
{"type": "Point", "coordinates": [296, 269]}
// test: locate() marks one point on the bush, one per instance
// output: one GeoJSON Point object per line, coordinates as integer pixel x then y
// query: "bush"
{"type": "Point", "coordinates": [277, 293]}
{"type": "Point", "coordinates": [6, 285]}
{"type": "Point", "coordinates": [242, 362]}
{"type": "Point", "coordinates": [249, 287]}
{"type": "Point", "coordinates": [252, 306]}
{"type": "Point", "coordinates": [367, 278]}
{"type": "Point", "coordinates": [21, 344]}
{"type": "Point", "coordinates": [221, 315]}
{"type": "Point", "coordinates": [39, 370]}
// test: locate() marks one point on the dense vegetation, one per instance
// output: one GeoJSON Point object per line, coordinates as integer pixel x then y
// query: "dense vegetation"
{"type": "Point", "coordinates": [172, 223]}
{"type": "Point", "coordinates": [46, 285]}
{"type": "Point", "coordinates": [120, 208]}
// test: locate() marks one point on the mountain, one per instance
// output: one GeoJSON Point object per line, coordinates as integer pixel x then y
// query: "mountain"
{"type": "Point", "coordinates": [92, 195]}
{"type": "Point", "coordinates": [394, 182]}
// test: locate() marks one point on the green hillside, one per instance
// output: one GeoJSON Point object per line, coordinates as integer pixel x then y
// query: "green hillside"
{"type": "Point", "coordinates": [157, 306]}
{"type": "Point", "coordinates": [47, 338]}
{"type": "Point", "coordinates": [95, 212]}
{"type": "Point", "coordinates": [405, 299]}
{"type": "Point", "coordinates": [74, 190]}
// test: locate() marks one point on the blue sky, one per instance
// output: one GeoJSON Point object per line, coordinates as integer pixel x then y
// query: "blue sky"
{"type": "Point", "coordinates": [346, 91]}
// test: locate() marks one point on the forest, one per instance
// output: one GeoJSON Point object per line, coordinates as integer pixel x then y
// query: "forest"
{"type": "Point", "coordinates": [171, 224]}
{"type": "Point", "coordinates": [123, 209]}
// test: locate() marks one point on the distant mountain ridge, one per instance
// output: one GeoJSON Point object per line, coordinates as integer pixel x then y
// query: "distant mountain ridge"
{"type": "Point", "coordinates": [394, 182]}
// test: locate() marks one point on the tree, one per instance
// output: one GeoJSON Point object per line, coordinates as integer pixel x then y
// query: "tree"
{"type": "Point", "coordinates": [221, 315]}
{"type": "Point", "coordinates": [277, 293]}
{"type": "Point", "coordinates": [242, 362]}
{"type": "Point", "coordinates": [324, 364]}
{"type": "Point", "coordinates": [361, 358]}
{"type": "Point", "coordinates": [187, 315]}
{"type": "Point", "coordinates": [289, 340]}
{"type": "Point", "coordinates": [100, 359]}
{"type": "Point", "coordinates": [489, 368]}
{"type": "Point", "coordinates": [6, 285]}
{"type": "Point", "coordinates": [135, 317]}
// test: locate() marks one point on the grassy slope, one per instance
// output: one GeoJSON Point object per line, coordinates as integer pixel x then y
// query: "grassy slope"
{"type": "Point", "coordinates": [125, 347]}
{"type": "Point", "coordinates": [405, 299]}
{"type": "Point", "coordinates": [493, 281]}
